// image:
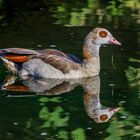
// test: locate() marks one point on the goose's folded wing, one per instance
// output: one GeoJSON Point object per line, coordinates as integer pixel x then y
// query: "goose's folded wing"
{"type": "Point", "coordinates": [59, 60]}
{"type": "Point", "coordinates": [17, 55]}
{"type": "Point", "coordinates": [20, 51]}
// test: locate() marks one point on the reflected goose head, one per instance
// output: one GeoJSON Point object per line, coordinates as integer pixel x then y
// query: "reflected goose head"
{"type": "Point", "coordinates": [101, 116]}
{"type": "Point", "coordinates": [103, 36]}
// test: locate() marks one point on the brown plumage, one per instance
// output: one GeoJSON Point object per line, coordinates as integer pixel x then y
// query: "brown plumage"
{"type": "Point", "coordinates": [17, 58]}
{"type": "Point", "coordinates": [17, 88]}
{"type": "Point", "coordinates": [59, 60]}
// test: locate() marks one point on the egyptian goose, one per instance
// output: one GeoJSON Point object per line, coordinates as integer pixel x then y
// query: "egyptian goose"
{"type": "Point", "coordinates": [51, 63]}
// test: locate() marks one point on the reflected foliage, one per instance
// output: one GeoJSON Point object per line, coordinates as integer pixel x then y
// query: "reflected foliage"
{"type": "Point", "coordinates": [75, 13]}
{"type": "Point", "coordinates": [53, 119]}
{"type": "Point", "coordinates": [128, 126]}
{"type": "Point", "coordinates": [94, 11]}
{"type": "Point", "coordinates": [116, 9]}
{"type": "Point", "coordinates": [133, 75]}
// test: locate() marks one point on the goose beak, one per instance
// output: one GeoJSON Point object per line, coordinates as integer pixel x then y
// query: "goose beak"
{"type": "Point", "coordinates": [114, 109]}
{"type": "Point", "coordinates": [113, 41]}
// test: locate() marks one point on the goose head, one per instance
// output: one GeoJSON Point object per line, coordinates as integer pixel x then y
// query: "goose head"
{"type": "Point", "coordinates": [103, 115]}
{"type": "Point", "coordinates": [102, 36]}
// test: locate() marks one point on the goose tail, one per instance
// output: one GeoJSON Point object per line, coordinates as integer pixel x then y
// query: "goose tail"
{"type": "Point", "coordinates": [11, 66]}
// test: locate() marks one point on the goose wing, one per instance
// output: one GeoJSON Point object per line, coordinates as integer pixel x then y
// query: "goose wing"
{"type": "Point", "coordinates": [18, 55]}
{"type": "Point", "coordinates": [59, 60]}
{"type": "Point", "coordinates": [20, 51]}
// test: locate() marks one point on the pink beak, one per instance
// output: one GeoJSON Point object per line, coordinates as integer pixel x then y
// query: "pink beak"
{"type": "Point", "coordinates": [114, 109]}
{"type": "Point", "coordinates": [113, 41]}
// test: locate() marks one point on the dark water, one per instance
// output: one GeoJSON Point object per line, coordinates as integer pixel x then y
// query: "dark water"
{"type": "Point", "coordinates": [50, 110]}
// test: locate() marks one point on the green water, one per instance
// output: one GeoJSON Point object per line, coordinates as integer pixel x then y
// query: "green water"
{"type": "Point", "coordinates": [32, 114]}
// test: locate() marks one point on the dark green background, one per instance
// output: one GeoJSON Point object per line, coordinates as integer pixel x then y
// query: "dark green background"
{"type": "Point", "coordinates": [63, 24]}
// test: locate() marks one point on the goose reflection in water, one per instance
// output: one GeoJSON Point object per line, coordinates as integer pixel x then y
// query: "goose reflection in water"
{"type": "Point", "coordinates": [50, 87]}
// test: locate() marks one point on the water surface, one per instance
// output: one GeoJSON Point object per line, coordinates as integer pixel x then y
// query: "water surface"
{"type": "Point", "coordinates": [31, 111]}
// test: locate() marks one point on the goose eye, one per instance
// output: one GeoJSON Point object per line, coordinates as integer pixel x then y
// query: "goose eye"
{"type": "Point", "coordinates": [103, 117]}
{"type": "Point", "coordinates": [102, 33]}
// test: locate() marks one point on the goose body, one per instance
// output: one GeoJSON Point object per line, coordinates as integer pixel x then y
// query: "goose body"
{"type": "Point", "coordinates": [51, 63]}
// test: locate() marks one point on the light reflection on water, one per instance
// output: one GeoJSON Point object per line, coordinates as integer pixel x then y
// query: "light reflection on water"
{"type": "Point", "coordinates": [67, 116]}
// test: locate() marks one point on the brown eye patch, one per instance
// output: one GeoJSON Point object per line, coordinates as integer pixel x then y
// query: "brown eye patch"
{"type": "Point", "coordinates": [102, 33]}
{"type": "Point", "coordinates": [103, 117]}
